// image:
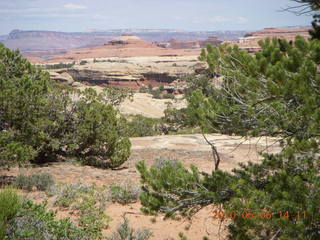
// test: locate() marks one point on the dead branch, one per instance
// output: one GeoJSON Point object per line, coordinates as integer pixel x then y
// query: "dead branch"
{"type": "Point", "coordinates": [215, 154]}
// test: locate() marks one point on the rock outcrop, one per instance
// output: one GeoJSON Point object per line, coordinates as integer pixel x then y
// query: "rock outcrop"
{"type": "Point", "coordinates": [61, 76]}
{"type": "Point", "coordinates": [129, 72]}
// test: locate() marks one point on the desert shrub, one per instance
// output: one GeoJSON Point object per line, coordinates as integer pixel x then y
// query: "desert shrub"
{"type": "Point", "coordinates": [59, 65]}
{"type": "Point", "coordinates": [90, 203]}
{"type": "Point", "coordinates": [156, 93]}
{"type": "Point", "coordinates": [160, 162]}
{"type": "Point", "coordinates": [10, 203]}
{"type": "Point", "coordinates": [83, 62]}
{"type": "Point", "coordinates": [115, 96]}
{"type": "Point", "coordinates": [40, 122]}
{"type": "Point", "coordinates": [161, 88]}
{"type": "Point", "coordinates": [180, 121]}
{"type": "Point", "coordinates": [141, 126]}
{"type": "Point", "coordinates": [124, 194]}
{"type": "Point", "coordinates": [66, 195]}
{"type": "Point", "coordinates": [143, 90]}
{"type": "Point", "coordinates": [91, 216]}
{"type": "Point", "coordinates": [34, 221]}
{"type": "Point", "coordinates": [23, 182]}
{"type": "Point", "coordinates": [125, 232]}
{"type": "Point", "coordinates": [41, 181]}
{"type": "Point", "coordinates": [168, 96]}
{"type": "Point", "coordinates": [182, 236]}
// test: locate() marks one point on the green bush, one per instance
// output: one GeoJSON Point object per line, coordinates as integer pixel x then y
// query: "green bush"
{"type": "Point", "coordinates": [83, 62]}
{"type": "Point", "coordinates": [41, 181]}
{"type": "Point", "coordinates": [66, 195]}
{"type": "Point", "coordinates": [125, 232]}
{"type": "Point", "coordinates": [23, 182]}
{"type": "Point", "coordinates": [156, 93]}
{"type": "Point", "coordinates": [168, 96]}
{"type": "Point", "coordinates": [34, 221]}
{"type": "Point", "coordinates": [10, 203]}
{"type": "Point", "coordinates": [90, 202]}
{"type": "Point", "coordinates": [40, 122]}
{"type": "Point", "coordinates": [141, 126]}
{"type": "Point", "coordinates": [124, 194]}
{"type": "Point", "coordinates": [92, 217]}
{"type": "Point", "coordinates": [143, 90]}
{"type": "Point", "coordinates": [59, 65]}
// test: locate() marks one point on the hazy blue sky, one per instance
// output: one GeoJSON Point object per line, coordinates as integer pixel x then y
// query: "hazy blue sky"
{"type": "Point", "coordinates": [80, 15]}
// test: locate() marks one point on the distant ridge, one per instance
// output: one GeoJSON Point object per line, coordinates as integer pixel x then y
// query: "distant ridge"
{"type": "Point", "coordinates": [50, 40]}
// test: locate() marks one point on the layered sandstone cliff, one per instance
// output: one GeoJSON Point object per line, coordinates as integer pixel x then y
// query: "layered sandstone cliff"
{"type": "Point", "coordinates": [131, 72]}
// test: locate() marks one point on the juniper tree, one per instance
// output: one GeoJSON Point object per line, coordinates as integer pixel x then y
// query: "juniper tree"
{"type": "Point", "coordinates": [275, 92]}
{"type": "Point", "coordinates": [40, 120]}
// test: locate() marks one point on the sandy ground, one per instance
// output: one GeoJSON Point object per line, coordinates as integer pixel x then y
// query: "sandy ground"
{"type": "Point", "coordinates": [190, 149]}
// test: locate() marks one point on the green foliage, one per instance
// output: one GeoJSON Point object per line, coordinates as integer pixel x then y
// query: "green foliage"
{"type": "Point", "coordinates": [59, 65]}
{"type": "Point", "coordinates": [272, 93]}
{"type": "Point", "coordinates": [182, 236]}
{"type": "Point", "coordinates": [143, 90]}
{"type": "Point", "coordinates": [183, 121]}
{"type": "Point", "coordinates": [33, 221]}
{"type": "Point", "coordinates": [124, 194]}
{"type": "Point", "coordinates": [10, 204]}
{"type": "Point", "coordinates": [125, 232]}
{"type": "Point", "coordinates": [202, 82]}
{"type": "Point", "coordinates": [90, 203]}
{"type": "Point", "coordinates": [41, 181]}
{"type": "Point", "coordinates": [83, 62]}
{"type": "Point", "coordinates": [168, 96]}
{"type": "Point", "coordinates": [179, 120]}
{"type": "Point", "coordinates": [91, 217]}
{"type": "Point", "coordinates": [115, 96]}
{"type": "Point", "coordinates": [156, 93]}
{"type": "Point", "coordinates": [70, 194]}
{"type": "Point", "coordinates": [25, 220]}
{"type": "Point", "coordinates": [99, 139]}
{"type": "Point", "coordinates": [141, 126]}
{"type": "Point", "coordinates": [41, 121]}
{"type": "Point", "coordinates": [168, 176]}
{"type": "Point", "coordinates": [315, 31]}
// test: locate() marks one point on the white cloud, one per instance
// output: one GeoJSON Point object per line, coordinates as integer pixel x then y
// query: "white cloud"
{"type": "Point", "coordinates": [242, 20]}
{"type": "Point", "coordinates": [219, 19]}
{"type": "Point", "coordinates": [72, 6]}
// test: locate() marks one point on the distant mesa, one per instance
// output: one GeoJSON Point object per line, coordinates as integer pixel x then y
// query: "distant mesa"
{"type": "Point", "coordinates": [251, 40]}
{"type": "Point", "coordinates": [129, 40]}
{"type": "Point", "coordinates": [125, 38]}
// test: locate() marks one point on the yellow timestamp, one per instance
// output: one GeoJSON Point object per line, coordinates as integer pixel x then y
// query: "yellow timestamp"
{"type": "Point", "coordinates": [260, 214]}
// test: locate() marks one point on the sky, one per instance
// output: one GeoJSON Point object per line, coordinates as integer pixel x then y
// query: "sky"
{"type": "Point", "coordinates": [193, 15]}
